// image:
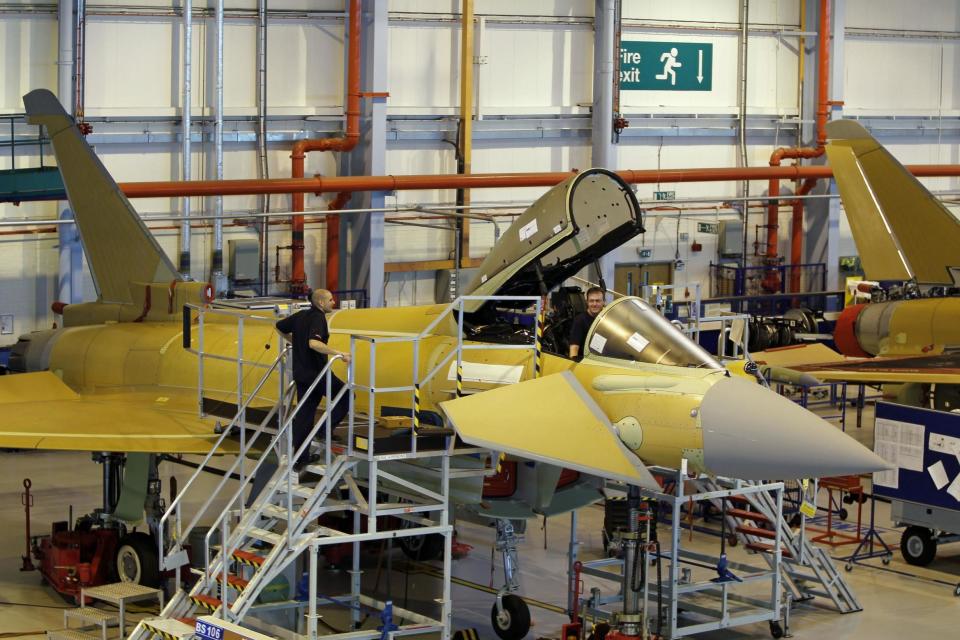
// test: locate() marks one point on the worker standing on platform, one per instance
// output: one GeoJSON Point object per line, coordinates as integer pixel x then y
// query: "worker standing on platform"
{"type": "Point", "coordinates": [583, 321]}
{"type": "Point", "coordinates": [309, 335]}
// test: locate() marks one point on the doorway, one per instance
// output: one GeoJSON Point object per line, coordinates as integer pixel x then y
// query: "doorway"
{"type": "Point", "coordinates": [629, 279]}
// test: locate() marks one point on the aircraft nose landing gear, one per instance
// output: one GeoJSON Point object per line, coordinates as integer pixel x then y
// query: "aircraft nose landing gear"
{"type": "Point", "coordinates": [510, 616]}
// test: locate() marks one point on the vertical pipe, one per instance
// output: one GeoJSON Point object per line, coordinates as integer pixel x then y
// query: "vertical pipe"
{"type": "Point", "coordinates": [262, 138]}
{"type": "Point", "coordinates": [69, 288]}
{"type": "Point", "coordinates": [462, 239]}
{"type": "Point", "coordinates": [742, 133]}
{"type": "Point", "coordinates": [603, 51]}
{"type": "Point", "coordinates": [65, 69]}
{"type": "Point", "coordinates": [79, 45]}
{"type": "Point", "coordinates": [218, 280]}
{"type": "Point", "coordinates": [298, 277]}
{"type": "Point", "coordinates": [185, 133]}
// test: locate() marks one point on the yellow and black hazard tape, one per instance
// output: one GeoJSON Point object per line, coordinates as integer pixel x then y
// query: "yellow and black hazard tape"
{"type": "Point", "coordinates": [201, 602]}
{"type": "Point", "coordinates": [466, 634]}
{"type": "Point", "coordinates": [459, 380]}
{"type": "Point", "coordinates": [416, 406]}
{"type": "Point", "coordinates": [166, 635]}
{"type": "Point", "coordinates": [500, 459]}
{"type": "Point", "coordinates": [248, 559]}
{"type": "Point", "coordinates": [538, 350]}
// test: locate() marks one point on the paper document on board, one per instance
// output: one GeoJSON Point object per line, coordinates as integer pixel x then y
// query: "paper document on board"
{"type": "Point", "coordinates": [939, 475]}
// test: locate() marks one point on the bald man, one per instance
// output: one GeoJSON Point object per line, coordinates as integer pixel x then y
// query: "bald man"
{"type": "Point", "coordinates": [307, 331]}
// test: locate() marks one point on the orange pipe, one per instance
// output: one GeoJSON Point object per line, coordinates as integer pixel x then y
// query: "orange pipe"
{"type": "Point", "coordinates": [771, 282]}
{"type": "Point", "coordinates": [318, 184]}
{"type": "Point", "coordinates": [796, 231]}
{"type": "Point", "coordinates": [298, 277]}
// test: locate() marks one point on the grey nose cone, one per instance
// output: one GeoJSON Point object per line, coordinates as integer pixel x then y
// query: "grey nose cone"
{"type": "Point", "coordinates": [750, 432]}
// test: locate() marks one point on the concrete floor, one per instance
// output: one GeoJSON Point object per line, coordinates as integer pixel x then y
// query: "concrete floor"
{"type": "Point", "coordinates": [898, 600]}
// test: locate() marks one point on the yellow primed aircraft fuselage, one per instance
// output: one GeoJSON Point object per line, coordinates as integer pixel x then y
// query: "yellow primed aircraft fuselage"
{"type": "Point", "coordinates": [114, 356]}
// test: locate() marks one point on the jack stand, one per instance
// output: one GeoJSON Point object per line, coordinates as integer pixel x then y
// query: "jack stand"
{"type": "Point", "coordinates": [388, 627]}
{"type": "Point", "coordinates": [27, 500]}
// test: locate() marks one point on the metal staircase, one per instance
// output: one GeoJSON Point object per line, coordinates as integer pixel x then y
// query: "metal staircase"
{"type": "Point", "coordinates": [268, 521]}
{"type": "Point", "coordinates": [808, 570]}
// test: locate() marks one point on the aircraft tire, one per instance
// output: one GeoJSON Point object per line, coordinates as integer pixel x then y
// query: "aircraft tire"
{"type": "Point", "coordinates": [918, 546]}
{"type": "Point", "coordinates": [136, 560]}
{"type": "Point", "coordinates": [422, 548]}
{"type": "Point", "coordinates": [514, 622]}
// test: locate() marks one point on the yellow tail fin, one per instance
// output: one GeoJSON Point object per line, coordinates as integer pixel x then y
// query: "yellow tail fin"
{"type": "Point", "coordinates": [118, 245]}
{"type": "Point", "coordinates": [902, 231]}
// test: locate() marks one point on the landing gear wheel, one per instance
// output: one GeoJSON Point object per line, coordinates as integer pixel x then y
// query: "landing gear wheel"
{"type": "Point", "coordinates": [887, 558]}
{"type": "Point", "coordinates": [843, 513]}
{"type": "Point", "coordinates": [513, 623]}
{"type": "Point", "coordinates": [776, 631]}
{"type": "Point", "coordinates": [918, 546]}
{"type": "Point", "coordinates": [848, 567]}
{"type": "Point", "coordinates": [422, 548]}
{"type": "Point", "coordinates": [136, 560]}
{"type": "Point", "coordinates": [956, 591]}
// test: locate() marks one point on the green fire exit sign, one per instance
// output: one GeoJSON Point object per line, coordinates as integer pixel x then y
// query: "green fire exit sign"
{"type": "Point", "coordinates": [666, 66]}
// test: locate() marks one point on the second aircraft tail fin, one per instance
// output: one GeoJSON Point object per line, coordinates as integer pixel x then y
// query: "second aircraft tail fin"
{"type": "Point", "coordinates": [901, 230]}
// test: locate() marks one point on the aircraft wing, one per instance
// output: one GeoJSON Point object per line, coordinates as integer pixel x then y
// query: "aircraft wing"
{"type": "Point", "coordinates": [550, 419]}
{"type": "Point", "coordinates": [797, 355]}
{"type": "Point", "coordinates": [41, 412]}
{"type": "Point", "coordinates": [939, 369]}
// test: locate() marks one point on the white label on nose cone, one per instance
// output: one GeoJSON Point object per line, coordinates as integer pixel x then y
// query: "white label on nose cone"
{"type": "Point", "coordinates": [597, 343]}
{"type": "Point", "coordinates": [637, 342]}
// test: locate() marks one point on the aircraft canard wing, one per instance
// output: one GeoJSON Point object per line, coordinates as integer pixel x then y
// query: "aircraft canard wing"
{"type": "Point", "coordinates": [934, 369]}
{"type": "Point", "coordinates": [41, 412]}
{"type": "Point", "coordinates": [902, 231]}
{"type": "Point", "coordinates": [567, 228]}
{"type": "Point", "coordinates": [118, 246]}
{"type": "Point", "coordinates": [552, 420]}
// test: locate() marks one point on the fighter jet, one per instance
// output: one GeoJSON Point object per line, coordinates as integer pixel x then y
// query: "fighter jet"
{"type": "Point", "coordinates": [117, 377]}
{"type": "Point", "coordinates": [904, 235]}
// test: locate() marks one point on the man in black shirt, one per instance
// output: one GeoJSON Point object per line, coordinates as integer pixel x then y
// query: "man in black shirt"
{"type": "Point", "coordinates": [581, 323]}
{"type": "Point", "coordinates": [307, 331]}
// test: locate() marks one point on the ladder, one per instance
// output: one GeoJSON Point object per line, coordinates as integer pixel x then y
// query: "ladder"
{"type": "Point", "coordinates": [808, 570]}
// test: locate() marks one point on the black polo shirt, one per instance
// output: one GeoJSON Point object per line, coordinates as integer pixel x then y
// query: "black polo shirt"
{"type": "Point", "coordinates": [579, 329]}
{"type": "Point", "coordinates": [306, 325]}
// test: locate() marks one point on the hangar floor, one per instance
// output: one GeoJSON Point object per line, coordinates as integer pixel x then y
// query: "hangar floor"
{"type": "Point", "coordinates": [898, 600]}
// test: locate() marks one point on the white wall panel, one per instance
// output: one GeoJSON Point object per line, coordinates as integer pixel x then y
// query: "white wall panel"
{"type": "Point", "coordinates": [903, 77]}
{"type": "Point", "coordinates": [28, 58]}
{"type": "Point", "coordinates": [926, 15]}
{"type": "Point", "coordinates": [536, 70]}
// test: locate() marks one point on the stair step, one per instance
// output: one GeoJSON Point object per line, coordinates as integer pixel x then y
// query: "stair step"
{"type": "Point", "coordinates": [170, 628]}
{"type": "Point", "coordinates": [209, 602]}
{"type": "Point", "coordinates": [757, 532]}
{"type": "Point", "coordinates": [267, 536]}
{"type": "Point", "coordinates": [275, 511]}
{"type": "Point", "coordinates": [70, 634]}
{"type": "Point", "coordinates": [248, 558]}
{"type": "Point", "coordinates": [767, 548]}
{"type": "Point", "coordinates": [234, 581]}
{"type": "Point", "coordinates": [744, 514]}
{"type": "Point", "coordinates": [90, 614]}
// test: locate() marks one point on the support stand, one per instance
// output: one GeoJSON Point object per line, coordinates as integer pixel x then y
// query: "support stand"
{"type": "Point", "coordinates": [867, 549]}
